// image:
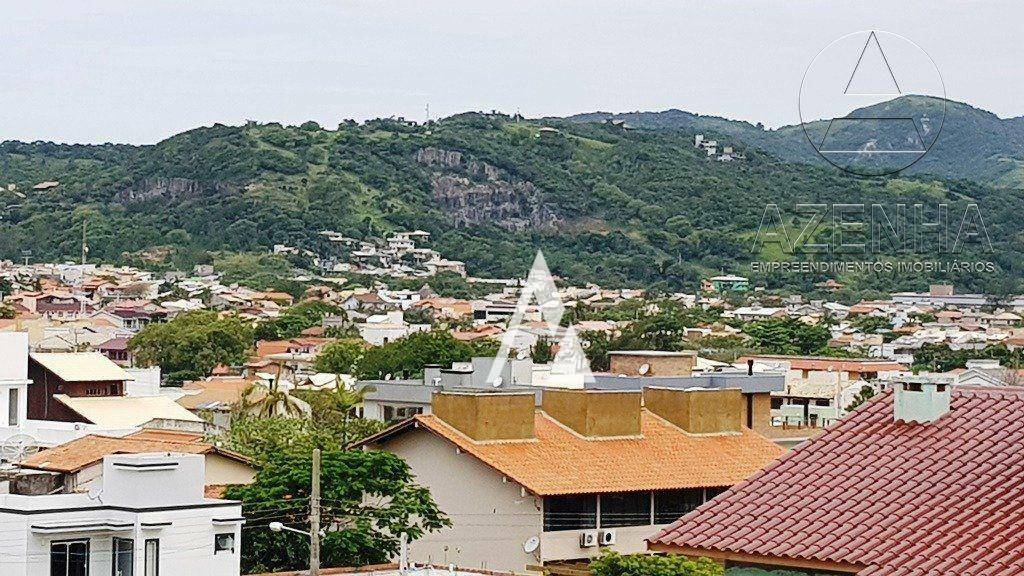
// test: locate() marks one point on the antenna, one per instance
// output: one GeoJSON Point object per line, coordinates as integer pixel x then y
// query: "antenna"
{"type": "Point", "coordinates": [428, 112]}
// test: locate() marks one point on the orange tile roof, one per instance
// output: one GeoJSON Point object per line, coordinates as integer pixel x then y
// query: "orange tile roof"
{"type": "Point", "coordinates": [223, 389]}
{"type": "Point", "coordinates": [82, 452]}
{"type": "Point", "coordinates": [664, 457]}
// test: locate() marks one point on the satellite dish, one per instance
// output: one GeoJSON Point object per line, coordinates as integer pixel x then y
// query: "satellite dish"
{"type": "Point", "coordinates": [521, 355]}
{"type": "Point", "coordinates": [644, 369]}
{"type": "Point", "coordinates": [498, 382]}
{"type": "Point", "coordinates": [531, 545]}
{"type": "Point", "coordinates": [17, 447]}
{"type": "Point", "coordinates": [387, 376]}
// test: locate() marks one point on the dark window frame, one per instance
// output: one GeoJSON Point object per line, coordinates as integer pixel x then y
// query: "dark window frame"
{"type": "Point", "coordinates": [67, 554]}
{"type": "Point", "coordinates": [572, 512]}
{"type": "Point", "coordinates": [116, 553]}
{"type": "Point", "coordinates": [625, 509]}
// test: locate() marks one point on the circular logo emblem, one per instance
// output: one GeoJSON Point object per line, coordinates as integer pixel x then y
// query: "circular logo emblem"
{"type": "Point", "coordinates": [872, 103]}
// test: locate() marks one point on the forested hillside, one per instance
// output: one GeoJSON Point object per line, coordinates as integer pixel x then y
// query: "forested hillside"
{"type": "Point", "coordinates": [606, 204]}
{"type": "Point", "coordinates": [973, 144]}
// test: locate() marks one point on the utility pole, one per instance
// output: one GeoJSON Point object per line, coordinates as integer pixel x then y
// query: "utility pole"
{"type": "Point", "coordinates": [314, 518]}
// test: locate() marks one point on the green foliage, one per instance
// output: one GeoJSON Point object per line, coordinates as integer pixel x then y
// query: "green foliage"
{"type": "Point", "coordinates": [294, 320]}
{"type": "Point", "coordinates": [615, 564]}
{"type": "Point", "coordinates": [942, 358]}
{"type": "Point", "coordinates": [639, 207]}
{"type": "Point", "coordinates": [340, 357]}
{"type": "Point", "coordinates": [662, 330]}
{"type": "Point", "coordinates": [258, 271]}
{"type": "Point", "coordinates": [191, 345]}
{"type": "Point", "coordinates": [360, 531]}
{"type": "Point", "coordinates": [408, 356]}
{"type": "Point", "coordinates": [543, 352]}
{"type": "Point", "coordinates": [863, 395]}
{"type": "Point", "coordinates": [786, 336]}
{"type": "Point", "coordinates": [871, 324]}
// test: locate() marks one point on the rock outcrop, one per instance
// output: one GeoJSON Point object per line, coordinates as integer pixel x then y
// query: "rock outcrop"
{"type": "Point", "coordinates": [476, 193]}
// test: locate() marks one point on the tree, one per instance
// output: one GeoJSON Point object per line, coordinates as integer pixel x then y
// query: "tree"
{"type": "Point", "coordinates": [340, 357]}
{"type": "Point", "coordinates": [410, 354]}
{"type": "Point", "coordinates": [368, 500]}
{"type": "Point", "coordinates": [786, 336]}
{"type": "Point", "coordinates": [294, 320]}
{"type": "Point", "coordinates": [615, 564]}
{"type": "Point", "coordinates": [272, 400]}
{"type": "Point", "coordinates": [543, 352]}
{"type": "Point", "coordinates": [191, 345]}
{"type": "Point", "coordinates": [863, 395]}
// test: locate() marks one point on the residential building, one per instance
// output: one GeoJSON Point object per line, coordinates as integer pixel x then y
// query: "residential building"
{"type": "Point", "coordinates": [86, 374]}
{"type": "Point", "coordinates": [77, 466]}
{"type": "Point", "coordinates": [149, 517]}
{"type": "Point", "coordinates": [587, 472]}
{"type": "Point", "coordinates": [921, 481]}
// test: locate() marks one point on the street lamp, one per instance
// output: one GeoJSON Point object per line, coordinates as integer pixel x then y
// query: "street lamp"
{"type": "Point", "coordinates": [279, 527]}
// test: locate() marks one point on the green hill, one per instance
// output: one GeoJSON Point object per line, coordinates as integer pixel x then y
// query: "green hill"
{"type": "Point", "coordinates": [606, 204]}
{"type": "Point", "coordinates": [973, 144]}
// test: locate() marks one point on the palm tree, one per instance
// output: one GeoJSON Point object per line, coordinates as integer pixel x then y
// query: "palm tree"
{"type": "Point", "coordinates": [275, 400]}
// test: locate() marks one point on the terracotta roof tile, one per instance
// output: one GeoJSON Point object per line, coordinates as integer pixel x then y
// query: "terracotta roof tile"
{"type": "Point", "coordinates": [895, 498]}
{"type": "Point", "coordinates": [663, 457]}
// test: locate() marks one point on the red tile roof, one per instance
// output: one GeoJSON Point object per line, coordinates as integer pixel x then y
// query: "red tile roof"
{"type": "Point", "coordinates": [895, 499]}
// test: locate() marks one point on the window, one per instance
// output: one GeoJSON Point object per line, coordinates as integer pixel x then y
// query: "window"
{"type": "Point", "coordinates": [710, 493]}
{"type": "Point", "coordinates": [570, 513]}
{"type": "Point", "coordinates": [12, 406]}
{"type": "Point", "coordinates": [671, 505]}
{"type": "Point", "coordinates": [393, 413]}
{"type": "Point", "coordinates": [69, 558]}
{"type": "Point", "coordinates": [625, 509]}
{"type": "Point", "coordinates": [152, 557]}
{"type": "Point", "coordinates": [223, 543]}
{"type": "Point", "coordinates": [776, 403]}
{"type": "Point", "coordinates": [123, 561]}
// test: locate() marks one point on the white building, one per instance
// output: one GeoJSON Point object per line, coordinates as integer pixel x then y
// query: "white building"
{"type": "Point", "coordinates": [150, 517]}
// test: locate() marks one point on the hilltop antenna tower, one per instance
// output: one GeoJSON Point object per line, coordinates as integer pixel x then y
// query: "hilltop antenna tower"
{"type": "Point", "coordinates": [428, 112]}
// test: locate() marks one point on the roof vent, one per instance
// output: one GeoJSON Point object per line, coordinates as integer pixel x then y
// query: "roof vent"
{"type": "Point", "coordinates": [919, 401]}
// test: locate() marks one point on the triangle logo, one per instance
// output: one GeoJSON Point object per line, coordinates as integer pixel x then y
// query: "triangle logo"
{"type": "Point", "coordinates": [872, 75]}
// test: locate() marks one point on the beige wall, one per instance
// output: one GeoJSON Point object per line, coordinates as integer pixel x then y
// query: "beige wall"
{"type": "Point", "coordinates": [491, 518]}
{"type": "Point", "coordinates": [660, 365]}
{"type": "Point", "coordinates": [221, 470]}
{"type": "Point", "coordinates": [565, 544]}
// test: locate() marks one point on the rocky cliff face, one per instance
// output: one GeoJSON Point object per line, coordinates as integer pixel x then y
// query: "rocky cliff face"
{"type": "Point", "coordinates": [476, 193]}
{"type": "Point", "coordinates": [168, 189]}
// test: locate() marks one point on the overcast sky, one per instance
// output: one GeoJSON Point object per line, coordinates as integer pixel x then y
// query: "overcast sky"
{"type": "Point", "coordinates": [139, 71]}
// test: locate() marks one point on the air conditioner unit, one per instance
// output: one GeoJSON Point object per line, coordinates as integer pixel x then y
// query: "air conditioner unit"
{"type": "Point", "coordinates": [588, 539]}
{"type": "Point", "coordinates": [607, 537]}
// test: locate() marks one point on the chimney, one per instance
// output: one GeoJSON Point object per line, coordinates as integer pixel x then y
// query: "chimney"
{"type": "Point", "coordinates": [487, 416]}
{"type": "Point", "coordinates": [698, 410]}
{"type": "Point", "coordinates": [920, 401]}
{"type": "Point", "coordinates": [595, 413]}
{"type": "Point", "coordinates": [750, 367]}
{"type": "Point", "coordinates": [652, 362]}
